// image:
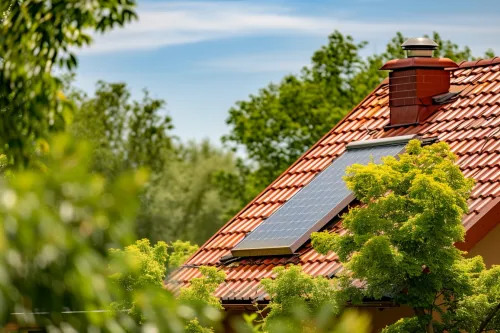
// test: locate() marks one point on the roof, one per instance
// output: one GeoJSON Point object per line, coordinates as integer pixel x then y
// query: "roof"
{"type": "Point", "coordinates": [469, 123]}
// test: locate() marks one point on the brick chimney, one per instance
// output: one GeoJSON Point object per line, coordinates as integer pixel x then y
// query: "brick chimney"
{"type": "Point", "coordinates": [413, 82]}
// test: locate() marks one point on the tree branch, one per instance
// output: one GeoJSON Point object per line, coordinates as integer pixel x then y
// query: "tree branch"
{"type": "Point", "coordinates": [488, 319]}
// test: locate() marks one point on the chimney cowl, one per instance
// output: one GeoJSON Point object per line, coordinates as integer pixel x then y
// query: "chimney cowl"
{"type": "Point", "coordinates": [419, 47]}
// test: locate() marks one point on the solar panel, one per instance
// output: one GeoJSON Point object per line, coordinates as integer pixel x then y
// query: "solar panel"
{"type": "Point", "coordinates": [312, 207]}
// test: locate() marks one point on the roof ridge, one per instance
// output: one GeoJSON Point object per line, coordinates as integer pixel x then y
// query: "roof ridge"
{"type": "Point", "coordinates": [478, 63]}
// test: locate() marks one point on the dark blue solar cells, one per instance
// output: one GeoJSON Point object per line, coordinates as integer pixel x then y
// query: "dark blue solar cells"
{"type": "Point", "coordinates": [312, 207]}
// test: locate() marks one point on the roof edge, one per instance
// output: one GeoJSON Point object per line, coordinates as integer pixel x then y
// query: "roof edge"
{"type": "Point", "coordinates": [486, 221]}
{"type": "Point", "coordinates": [242, 304]}
{"type": "Point", "coordinates": [479, 63]}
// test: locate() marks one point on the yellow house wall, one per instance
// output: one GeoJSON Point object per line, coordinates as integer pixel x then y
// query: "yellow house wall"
{"type": "Point", "coordinates": [488, 247]}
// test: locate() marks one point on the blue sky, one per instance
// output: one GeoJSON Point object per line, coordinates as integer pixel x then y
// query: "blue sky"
{"type": "Point", "coordinates": [203, 56]}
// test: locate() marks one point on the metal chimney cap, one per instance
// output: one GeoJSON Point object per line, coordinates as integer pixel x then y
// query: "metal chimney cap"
{"type": "Point", "coordinates": [419, 43]}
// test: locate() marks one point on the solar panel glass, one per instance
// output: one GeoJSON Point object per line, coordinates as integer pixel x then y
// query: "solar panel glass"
{"type": "Point", "coordinates": [313, 206]}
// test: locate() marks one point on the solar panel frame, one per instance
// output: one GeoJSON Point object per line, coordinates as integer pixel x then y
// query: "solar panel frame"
{"type": "Point", "coordinates": [250, 246]}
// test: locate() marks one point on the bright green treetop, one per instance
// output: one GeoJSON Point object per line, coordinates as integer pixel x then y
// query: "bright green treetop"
{"type": "Point", "coordinates": [201, 292]}
{"type": "Point", "coordinates": [152, 262]}
{"type": "Point", "coordinates": [296, 297]}
{"type": "Point", "coordinates": [301, 303]}
{"type": "Point", "coordinates": [148, 267]}
{"type": "Point", "coordinates": [400, 241]}
{"type": "Point", "coordinates": [202, 289]}
{"type": "Point", "coordinates": [149, 260]}
{"type": "Point", "coordinates": [179, 252]}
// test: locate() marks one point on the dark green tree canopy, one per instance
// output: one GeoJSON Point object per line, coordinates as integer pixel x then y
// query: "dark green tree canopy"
{"type": "Point", "coordinates": [127, 134]}
{"type": "Point", "coordinates": [184, 199]}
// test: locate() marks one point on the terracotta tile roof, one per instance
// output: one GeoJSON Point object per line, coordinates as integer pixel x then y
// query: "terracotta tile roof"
{"type": "Point", "coordinates": [470, 124]}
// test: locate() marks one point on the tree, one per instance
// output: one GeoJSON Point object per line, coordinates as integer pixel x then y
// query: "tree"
{"type": "Point", "coordinates": [283, 120]}
{"type": "Point", "coordinates": [296, 297]}
{"type": "Point", "coordinates": [57, 218]}
{"type": "Point", "coordinates": [184, 200]}
{"type": "Point", "coordinates": [400, 241]}
{"type": "Point", "coordinates": [299, 302]}
{"type": "Point", "coordinates": [201, 291]}
{"type": "Point", "coordinates": [184, 192]}
{"type": "Point", "coordinates": [36, 37]}
{"type": "Point", "coordinates": [56, 230]}
{"type": "Point", "coordinates": [151, 263]}
{"type": "Point", "coordinates": [179, 251]}
{"type": "Point", "coordinates": [279, 123]}
{"type": "Point", "coordinates": [127, 134]}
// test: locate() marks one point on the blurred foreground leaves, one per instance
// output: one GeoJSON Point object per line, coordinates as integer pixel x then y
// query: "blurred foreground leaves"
{"type": "Point", "coordinates": [57, 229]}
{"type": "Point", "coordinates": [37, 37]}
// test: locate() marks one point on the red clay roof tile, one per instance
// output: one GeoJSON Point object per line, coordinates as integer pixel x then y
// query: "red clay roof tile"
{"type": "Point", "coordinates": [470, 124]}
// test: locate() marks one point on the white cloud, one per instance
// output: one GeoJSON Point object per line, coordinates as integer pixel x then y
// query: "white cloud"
{"type": "Point", "coordinates": [188, 22]}
{"type": "Point", "coordinates": [185, 22]}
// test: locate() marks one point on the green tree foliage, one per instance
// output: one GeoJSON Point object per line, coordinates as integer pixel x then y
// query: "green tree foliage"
{"type": "Point", "coordinates": [127, 134]}
{"type": "Point", "coordinates": [153, 262]}
{"type": "Point", "coordinates": [184, 200]}
{"type": "Point", "coordinates": [194, 326]}
{"type": "Point", "coordinates": [179, 251]}
{"type": "Point", "coordinates": [276, 125]}
{"type": "Point", "coordinates": [299, 302]}
{"type": "Point", "coordinates": [56, 231]}
{"type": "Point", "coordinates": [295, 297]}
{"type": "Point", "coordinates": [400, 242]}
{"type": "Point", "coordinates": [149, 267]}
{"type": "Point", "coordinates": [283, 120]}
{"type": "Point", "coordinates": [479, 311]}
{"type": "Point", "coordinates": [36, 37]}
{"type": "Point", "coordinates": [201, 291]}
{"type": "Point", "coordinates": [149, 263]}
{"type": "Point", "coordinates": [56, 228]}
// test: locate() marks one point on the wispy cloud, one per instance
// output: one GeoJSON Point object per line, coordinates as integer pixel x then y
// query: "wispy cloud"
{"type": "Point", "coordinates": [185, 22]}
{"type": "Point", "coordinates": [188, 22]}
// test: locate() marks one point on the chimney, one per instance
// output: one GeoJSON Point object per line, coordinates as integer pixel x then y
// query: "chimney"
{"type": "Point", "coordinates": [413, 82]}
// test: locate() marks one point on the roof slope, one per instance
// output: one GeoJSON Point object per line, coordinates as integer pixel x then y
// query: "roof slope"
{"type": "Point", "coordinates": [470, 124]}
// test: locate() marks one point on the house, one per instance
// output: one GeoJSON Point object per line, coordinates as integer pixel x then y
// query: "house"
{"type": "Point", "coordinates": [433, 98]}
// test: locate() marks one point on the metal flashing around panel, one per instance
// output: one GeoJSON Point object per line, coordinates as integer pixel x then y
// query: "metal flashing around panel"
{"type": "Point", "coordinates": [312, 207]}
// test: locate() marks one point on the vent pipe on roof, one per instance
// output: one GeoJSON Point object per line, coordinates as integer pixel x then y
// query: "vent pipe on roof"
{"type": "Point", "coordinates": [419, 47]}
{"type": "Point", "coordinates": [413, 82]}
